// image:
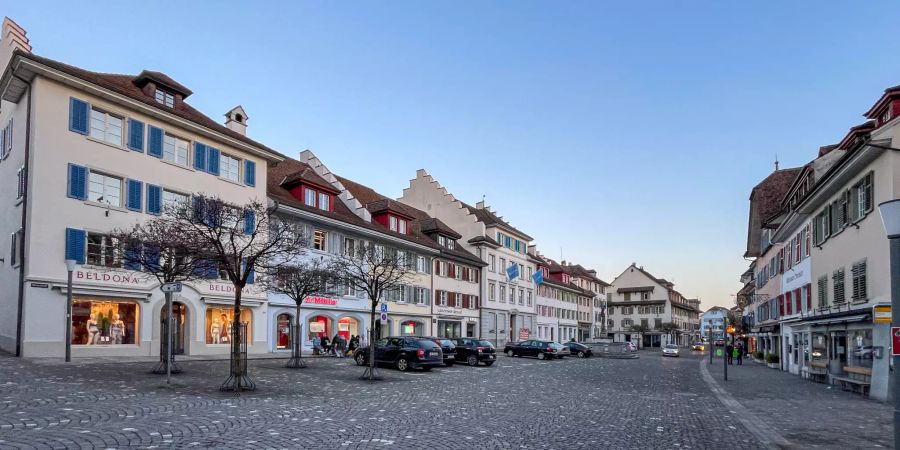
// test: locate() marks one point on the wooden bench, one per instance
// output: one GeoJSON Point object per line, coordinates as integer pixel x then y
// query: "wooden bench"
{"type": "Point", "coordinates": [818, 371]}
{"type": "Point", "coordinates": [859, 379]}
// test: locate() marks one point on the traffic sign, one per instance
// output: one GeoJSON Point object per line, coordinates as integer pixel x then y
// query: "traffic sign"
{"type": "Point", "coordinates": [895, 341]}
{"type": "Point", "coordinates": [384, 308]}
{"type": "Point", "coordinates": [171, 287]}
{"type": "Point", "coordinates": [882, 314]}
{"type": "Point", "coordinates": [384, 317]}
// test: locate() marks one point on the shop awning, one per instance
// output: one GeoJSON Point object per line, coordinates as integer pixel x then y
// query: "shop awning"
{"type": "Point", "coordinates": [845, 319]}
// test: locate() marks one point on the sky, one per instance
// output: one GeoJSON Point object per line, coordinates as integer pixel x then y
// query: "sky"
{"type": "Point", "coordinates": [611, 132]}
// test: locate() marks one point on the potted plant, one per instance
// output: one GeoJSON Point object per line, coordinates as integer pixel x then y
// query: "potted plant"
{"type": "Point", "coordinates": [758, 356]}
{"type": "Point", "coordinates": [772, 361]}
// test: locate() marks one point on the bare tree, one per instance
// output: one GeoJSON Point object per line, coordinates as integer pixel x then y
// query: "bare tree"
{"type": "Point", "coordinates": [233, 242]}
{"type": "Point", "coordinates": [374, 270]}
{"type": "Point", "coordinates": [299, 281]}
{"type": "Point", "coordinates": [159, 249]}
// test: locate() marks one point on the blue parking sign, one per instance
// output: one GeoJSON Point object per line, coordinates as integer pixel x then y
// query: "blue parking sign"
{"type": "Point", "coordinates": [384, 307]}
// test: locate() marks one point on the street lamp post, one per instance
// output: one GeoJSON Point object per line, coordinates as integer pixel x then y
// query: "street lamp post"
{"type": "Point", "coordinates": [890, 218]}
{"type": "Point", "coordinates": [70, 267]}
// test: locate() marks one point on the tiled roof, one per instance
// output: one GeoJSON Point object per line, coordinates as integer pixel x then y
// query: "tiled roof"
{"type": "Point", "coordinates": [290, 168]}
{"type": "Point", "coordinates": [635, 289]}
{"type": "Point", "coordinates": [490, 242]}
{"type": "Point", "coordinates": [309, 176]}
{"type": "Point", "coordinates": [577, 270]}
{"type": "Point", "coordinates": [125, 85]}
{"type": "Point", "coordinates": [367, 196]}
{"type": "Point", "coordinates": [435, 225]}
{"type": "Point", "coordinates": [490, 219]}
{"type": "Point", "coordinates": [769, 193]}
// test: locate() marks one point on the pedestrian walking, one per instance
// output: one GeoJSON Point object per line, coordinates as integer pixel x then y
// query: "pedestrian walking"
{"type": "Point", "coordinates": [728, 353]}
{"type": "Point", "coordinates": [739, 354]}
{"type": "Point", "coordinates": [335, 345]}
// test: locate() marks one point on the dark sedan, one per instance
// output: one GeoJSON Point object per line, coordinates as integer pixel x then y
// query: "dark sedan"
{"type": "Point", "coordinates": [539, 349]}
{"type": "Point", "coordinates": [448, 348]}
{"type": "Point", "coordinates": [404, 353]}
{"type": "Point", "coordinates": [473, 351]}
{"type": "Point", "coordinates": [583, 351]}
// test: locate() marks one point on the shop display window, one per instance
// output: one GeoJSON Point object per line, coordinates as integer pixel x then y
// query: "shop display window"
{"type": "Point", "coordinates": [283, 331]}
{"type": "Point", "coordinates": [104, 322]}
{"type": "Point", "coordinates": [411, 328]}
{"type": "Point", "coordinates": [319, 326]}
{"type": "Point", "coordinates": [859, 343]}
{"type": "Point", "coordinates": [218, 324]}
{"type": "Point", "coordinates": [348, 327]}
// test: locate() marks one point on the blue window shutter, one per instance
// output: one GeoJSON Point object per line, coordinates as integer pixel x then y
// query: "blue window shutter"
{"type": "Point", "coordinates": [154, 199]}
{"type": "Point", "coordinates": [132, 258]}
{"type": "Point", "coordinates": [77, 182]}
{"type": "Point", "coordinates": [249, 173]}
{"type": "Point", "coordinates": [212, 160]}
{"type": "Point", "coordinates": [75, 242]}
{"type": "Point", "coordinates": [136, 135]}
{"type": "Point", "coordinates": [151, 258]}
{"type": "Point", "coordinates": [134, 195]}
{"type": "Point", "coordinates": [155, 144]}
{"type": "Point", "coordinates": [251, 277]}
{"type": "Point", "coordinates": [78, 115]}
{"type": "Point", "coordinates": [249, 222]}
{"type": "Point", "coordinates": [199, 156]}
{"type": "Point", "coordinates": [212, 270]}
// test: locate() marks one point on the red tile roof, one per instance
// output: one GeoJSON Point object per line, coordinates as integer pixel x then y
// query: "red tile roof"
{"type": "Point", "coordinates": [770, 191]}
{"type": "Point", "coordinates": [490, 219]}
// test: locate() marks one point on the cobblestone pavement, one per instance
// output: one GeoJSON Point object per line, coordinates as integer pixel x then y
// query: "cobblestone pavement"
{"type": "Point", "coordinates": [517, 403]}
{"type": "Point", "coordinates": [807, 414]}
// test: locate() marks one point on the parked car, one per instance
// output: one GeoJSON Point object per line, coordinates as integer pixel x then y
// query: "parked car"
{"type": "Point", "coordinates": [562, 350]}
{"type": "Point", "coordinates": [474, 351]}
{"type": "Point", "coordinates": [448, 348]}
{"type": "Point", "coordinates": [670, 350]}
{"type": "Point", "coordinates": [539, 349]}
{"type": "Point", "coordinates": [698, 346]}
{"type": "Point", "coordinates": [404, 353]}
{"type": "Point", "coordinates": [576, 348]}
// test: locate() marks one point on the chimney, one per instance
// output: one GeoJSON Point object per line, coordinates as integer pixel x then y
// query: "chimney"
{"type": "Point", "coordinates": [236, 120]}
{"type": "Point", "coordinates": [12, 39]}
{"type": "Point", "coordinates": [563, 262]}
{"type": "Point", "coordinates": [479, 205]}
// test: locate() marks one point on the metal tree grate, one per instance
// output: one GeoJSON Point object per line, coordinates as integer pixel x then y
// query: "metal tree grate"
{"type": "Point", "coordinates": [164, 348]}
{"type": "Point", "coordinates": [238, 380]}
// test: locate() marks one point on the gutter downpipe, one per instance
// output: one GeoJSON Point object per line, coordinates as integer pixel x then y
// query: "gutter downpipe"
{"type": "Point", "coordinates": [20, 308]}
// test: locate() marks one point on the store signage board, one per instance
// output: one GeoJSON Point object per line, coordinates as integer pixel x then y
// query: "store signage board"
{"type": "Point", "coordinates": [895, 341]}
{"type": "Point", "coordinates": [524, 334]}
{"type": "Point", "coordinates": [881, 314]}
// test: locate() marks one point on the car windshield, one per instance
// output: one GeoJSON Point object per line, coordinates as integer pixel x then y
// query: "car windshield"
{"type": "Point", "coordinates": [427, 343]}
{"type": "Point", "coordinates": [671, 346]}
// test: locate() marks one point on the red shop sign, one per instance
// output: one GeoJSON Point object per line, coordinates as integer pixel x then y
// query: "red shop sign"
{"type": "Point", "coordinates": [321, 301]}
{"type": "Point", "coordinates": [895, 341]}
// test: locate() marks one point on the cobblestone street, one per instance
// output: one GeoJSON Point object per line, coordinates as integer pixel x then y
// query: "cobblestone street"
{"type": "Point", "coordinates": [517, 403]}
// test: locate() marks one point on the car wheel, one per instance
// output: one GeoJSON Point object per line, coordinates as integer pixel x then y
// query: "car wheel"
{"type": "Point", "coordinates": [402, 364]}
{"type": "Point", "coordinates": [542, 356]}
{"type": "Point", "coordinates": [510, 353]}
{"type": "Point", "coordinates": [472, 360]}
{"type": "Point", "coordinates": [489, 363]}
{"type": "Point", "coordinates": [581, 354]}
{"type": "Point", "coordinates": [360, 359]}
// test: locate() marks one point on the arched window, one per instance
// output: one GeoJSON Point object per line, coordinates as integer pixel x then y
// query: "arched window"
{"type": "Point", "coordinates": [283, 334]}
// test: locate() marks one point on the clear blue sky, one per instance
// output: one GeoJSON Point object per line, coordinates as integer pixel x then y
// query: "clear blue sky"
{"type": "Point", "coordinates": [614, 132]}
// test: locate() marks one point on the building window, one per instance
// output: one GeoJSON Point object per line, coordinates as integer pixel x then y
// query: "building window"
{"type": "Point", "coordinates": [219, 322]}
{"type": "Point", "coordinates": [320, 240]}
{"type": "Point", "coordinates": [512, 295]}
{"type": "Point", "coordinates": [393, 223]}
{"type": "Point", "coordinates": [442, 298]}
{"type": "Point", "coordinates": [528, 298]}
{"type": "Point", "coordinates": [457, 300]}
{"type": "Point", "coordinates": [421, 264]}
{"type": "Point", "coordinates": [309, 197]}
{"type": "Point", "coordinates": [165, 98]}
{"type": "Point", "coordinates": [103, 322]}
{"type": "Point", "coordinates": [103, 250]}
{"type": "Point", "coordinates": [15, 247]}
{"type": "Point", "coordinates": [20, 183]}
{"type": "Point", "coordinates": [861, 197]}
{"type": "Point", "coordinates": [106, 127]}
{"type": "Point", "coordinates": [521, 296]}
{"type": "Point", "coordinates": [175, 150]}
{"type": "Point", "coordinates": [627, 296]}
{"type": "Point", "coordinates": [492, 261]}
{"type": "Point", "coordinates": [502, 293]}
{"type": "Point", "coordinates": [229, 167]}
{"type": "Point", "coordinates": [492, 291]}
{"type": "Point", "coordinates": [172, 201]}
{"type": "Point", "coordinates": [858, 272]}
{"type": "Point", "coordinates": [105, 189]}
{"type": "Point", "coordinates": [457, 271]}
{"type": "Point", "coordinates": [837, 279]}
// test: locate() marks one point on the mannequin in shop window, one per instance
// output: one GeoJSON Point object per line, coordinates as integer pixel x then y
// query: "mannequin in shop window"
{"type": "Point", "coordinates": [117, 330]}
{"type": "Point", "coordinates": [226, 326]}
{"type": "Point", "coordinates": [93, 329]}
{"type": "Point", "coordinates": [215, 331]}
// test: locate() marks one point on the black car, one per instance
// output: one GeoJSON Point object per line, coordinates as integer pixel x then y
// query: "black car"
{"type": "Point", "coordinates": [474, 351]}
{"type": "Point", "coordinates": [539, 349]}
{"type": "Point", "coordinates": [404, 352]}
{"type": "Point", "coordinates": [583, 351]}
{"type": "Point", "coordinates": [448, 347]}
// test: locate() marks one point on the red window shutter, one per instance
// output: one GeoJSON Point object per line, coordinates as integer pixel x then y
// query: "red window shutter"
{"type": "Point", "coordinates": [809, 297]}
{"type": "Point", "coordinates": [465, 273]}
{"type": "Point", "coordinates": [797, 300]}
{"type": "Point", "coordinates": [789, 303]}
{"type": "Point", "coordinates": [465, 301]}
{"type": "Point", "coordinates": [475, 298]}
{"type": "Point", "coordinates": [780, 305]}
{"type": "Point", "coordinates": [437, 266]}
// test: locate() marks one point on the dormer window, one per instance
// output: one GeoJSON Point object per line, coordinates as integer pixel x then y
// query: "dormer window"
{"type": "Point", "coordinates": [316, 199]}
{"type": "Point", "coordinates": [886, 117]}
{"type": "Point", "coordinates": [446, 242]}
{"type": "Point", "coordinates": [165, 98]}
{"type": "Point", "coordinates": [397, 224]}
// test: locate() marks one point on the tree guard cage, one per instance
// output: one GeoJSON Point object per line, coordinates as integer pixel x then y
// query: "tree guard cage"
{"type": "Point", "coordinates": [296, 361]}
{"type": "Point", "coordinates": [164, 348]}
{"type": "Point", "coordinates": [238, 380]}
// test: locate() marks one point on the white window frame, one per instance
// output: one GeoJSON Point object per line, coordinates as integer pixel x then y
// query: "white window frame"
{"type": "Point", "coordinates": [170, 203]}
{"type": "Point", "coordinates": [492, 291]}
{"type": "Point", "coordinates": [107, 244]}
{"type": "Point", "coordinates": [20, 183]}
{"type": "Point", "coordinates": [229, 167]}
{"type": "Point", "coordinates": [104, 183]}
{"type": "Point", "coordinates": [324, 201]}
{"type": "Point", "coordinates": [104, 132]}
{"type": "Point", "coordinates": [164, 98]}
{"type": "Point", "coordinates": [393, 223]}
{"type": "Point", "coordinates": [306, 197]}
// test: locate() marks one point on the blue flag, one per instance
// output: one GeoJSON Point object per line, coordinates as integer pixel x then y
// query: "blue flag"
{"type": "Point", "coordinates": [512, 271]}
{"type": "Point", "coordinates": [538, 277]}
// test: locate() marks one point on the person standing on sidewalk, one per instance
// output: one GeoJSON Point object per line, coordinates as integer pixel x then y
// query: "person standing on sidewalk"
{"type": "Point", "coordinates": [739, 353]}
{"type": "Point", "coordinates": [728, 356]}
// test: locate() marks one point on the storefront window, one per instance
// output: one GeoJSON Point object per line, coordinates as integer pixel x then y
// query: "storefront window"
{"type": "Point", "coordinates": [860, 344]}
{"type": "Point", "coordinates": [819, 353]}
{"type": "Point", "coordinates": [449, 329]}
{"type": "Point", "coordinates": [348, 327]}
{"type": "Point", "coordinates": [218, 324]}
{"type": "Point", "coordinates": [103, 322]}
{"type": "Point", "coordinates": [411, 328]}
{"type": "Point", "coordinates": [319, 326]}
{"type": "Point", "coordinates": [283, 331]}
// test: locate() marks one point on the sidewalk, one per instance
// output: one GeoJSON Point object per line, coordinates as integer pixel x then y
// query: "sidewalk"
{"type": "Point", "coordinates": [81, 361]}
{"type": "Point", "coordinates": [807, 414]}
